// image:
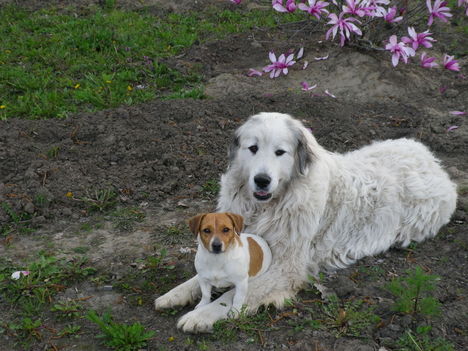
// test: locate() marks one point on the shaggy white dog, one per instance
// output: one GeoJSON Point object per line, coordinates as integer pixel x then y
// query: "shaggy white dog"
{"type": "Point", "coordinates": [317, 209]}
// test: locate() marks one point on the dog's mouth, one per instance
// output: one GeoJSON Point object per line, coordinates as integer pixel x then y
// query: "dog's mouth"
{"type": "Point", "coordinates": [262, 195]}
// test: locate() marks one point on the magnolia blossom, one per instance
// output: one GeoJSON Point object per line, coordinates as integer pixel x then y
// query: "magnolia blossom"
{"type": "Point", "coordinates": [417, 39]}
{"type": "Point", "coordinates": [374, 8]}
{"type": "Point", "coordinates": [357, 7]}
{"type": "Point", "coordinates": [315, 7]}
{"type": "Point", "coordinates": [307, 87]}
{"type": "Point", "coordinates": [16, 275]}
{"type": "Point", "coordinates": [450, 63]}
{"type": "Point", "coordinates": [389, 15]}
{"type": "Point", "coordinates": [280, 65]}
{"type": "Point", "coordinates": [236, 1]}
{"type": "Point", "coordinates": [439, 10]}
{"type": "Point", "coordinates": [290, 5]}
{"type": "Point", "coordinates": [254, 73]}
{"type": "Point", "coordinates": [344, 25]}
{"type": "Point", "coordinates": [428, 62]}
{"type": "Point", "coordinates": [399, 50]}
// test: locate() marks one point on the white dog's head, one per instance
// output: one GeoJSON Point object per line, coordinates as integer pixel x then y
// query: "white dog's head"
{"type": "Point", "coordinates": [269, 150]}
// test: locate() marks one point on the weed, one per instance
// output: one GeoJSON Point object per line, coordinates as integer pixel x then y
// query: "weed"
{"type": "Point", "coordinates": [53, 152]}
{"type": "Point", "coordinates": [411, 291]}
{"type": "Point", "coordinates": [100, 200]}
{"type": "Point", "coordinates": [67, 309]}
{"type": "Point", "coordinates": [47, 276]}
{"type": "Point", "coordinates": [229, 329]}
{"type": "Point", "coordinates": [211, 188]}
{"type": "Point", "coordinates": [26, 330]}
{"type": "Point", "coordinates": [69, 330]}
{"type": "Point", "coordinates": [127, 217]}
{"type": "Point", "coordinates": [80, 249]}
{"type": "Point", "coordinates": [421, 341]}
{"type": "Point", "coordinates": [120, 337]}
{"type": "Point", "coordinates": [349, 318]}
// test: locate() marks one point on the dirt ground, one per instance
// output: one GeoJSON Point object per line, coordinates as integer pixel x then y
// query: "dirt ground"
{"type": "Point", "coordinates": [162, 159]}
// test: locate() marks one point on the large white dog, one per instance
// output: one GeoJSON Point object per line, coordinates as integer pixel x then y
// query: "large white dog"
{"type": "Point", "coordinates": [318, 209]}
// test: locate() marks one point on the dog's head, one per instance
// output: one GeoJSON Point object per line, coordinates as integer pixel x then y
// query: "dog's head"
{"type": "Point", "coordinates": [270, 149]}
{"type": "Point", "coordinates": [217, 231]}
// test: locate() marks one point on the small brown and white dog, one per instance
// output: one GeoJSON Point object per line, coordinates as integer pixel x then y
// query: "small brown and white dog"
{"type": "Point", "coordinates": [227, 257]}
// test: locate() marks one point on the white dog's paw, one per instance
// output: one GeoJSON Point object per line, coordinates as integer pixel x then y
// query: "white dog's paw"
{"type": "Point", "coordinates": [202, 319]}
{"type": "Point", "coordinates": [169, 300]}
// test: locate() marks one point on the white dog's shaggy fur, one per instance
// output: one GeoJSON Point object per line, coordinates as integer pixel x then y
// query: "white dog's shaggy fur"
{"type": "Point", "coordinates": [318, 209]}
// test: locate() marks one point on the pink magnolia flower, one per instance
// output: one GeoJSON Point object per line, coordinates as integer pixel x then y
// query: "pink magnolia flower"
{"type": "Point", "coordinates": [290, 5]}
{"type": "Point", "coordinates": [374, 7]}
{"type": "Point", "coordinates": [254, 73]}
{"type": "Point", "coordinates": [428, 62]}
{"type": "Point", "coordinates": [16, 275]}
{"type": "Point", "coordinates": [307, 87]}
{"type": "Point", "coordinates": [237, 2]}
{"type": "Point", "coordinates": [315, 7]}
{"type": "Point", "coordinates": [399, 50]}
{"type": "Point", "coordinates": [450, 63]}
{"type": "Point", "coordinates": [389, 15]}
{"type": "Point", "coordinates": [417, 39]}
{"type": "Point", "coordinates": [356, 7]}
{"type": "Point", "coordinates": [280, 65]}
{"type": "Point", "coordinates": [439, 10]}
{"type": "Point", "coordinates": [344, 25]}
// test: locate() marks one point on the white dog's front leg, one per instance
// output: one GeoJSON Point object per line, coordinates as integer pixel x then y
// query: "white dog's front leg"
{"type": "Point", "coordinates": [202, 319]}
{"type": "Point", "coordinates": [206, 292]}
{"type": "Point", "coordinates": [181, 295]}
{"type": "Point", "coordinates": [239, 296]}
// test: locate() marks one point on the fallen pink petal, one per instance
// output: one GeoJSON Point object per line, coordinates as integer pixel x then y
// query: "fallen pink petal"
{"type": "Point", "coordinates": [452, 128]}
{"type": "Point", "coordinates": [450, 63]}
{"type": "Point", "coordinates": [321, 58]}
{"type": "Point", "coordinates": [329, 94]}
{"type": "Point", "coordinates": [254, 73]}
{"type": "Point", "coordinates": [300, 53]}
{"type": "Point", "coordinates": [16, 275]}
{"type": "Point", "coordinates": [458, 113]}
{"type": "Point", "coordinates": [306, 64]}
{"type": "Point", "coordinates": [307, 87]}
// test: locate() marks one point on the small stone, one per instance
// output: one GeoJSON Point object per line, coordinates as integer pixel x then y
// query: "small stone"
{"type": "Point", "coordinates": [29, 208]}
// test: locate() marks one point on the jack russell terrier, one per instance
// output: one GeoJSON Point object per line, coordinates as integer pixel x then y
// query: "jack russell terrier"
{"type": "Point", "coordinates": [225, 257]}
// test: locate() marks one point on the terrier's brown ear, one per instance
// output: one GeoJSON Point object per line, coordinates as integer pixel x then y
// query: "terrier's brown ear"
{"type": "Point", "coordinates": [194, 223]}
{"type": "Point", "coordinates": [237, 220]}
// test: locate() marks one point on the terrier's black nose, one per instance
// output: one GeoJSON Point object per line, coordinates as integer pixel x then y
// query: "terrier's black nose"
{"type": "Point", "coordinates": [216, 246]}
{"type": "Point", "coordinates": [262, 180]}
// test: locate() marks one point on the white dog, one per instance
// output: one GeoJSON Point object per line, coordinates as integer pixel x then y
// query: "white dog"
{"type": "Point", "coordinates": [318, 209]}
{"type": "Point", "coordinates": [227, 257]}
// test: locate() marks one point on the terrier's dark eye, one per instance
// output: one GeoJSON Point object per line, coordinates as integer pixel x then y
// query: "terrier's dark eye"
{"type": "Point", "coordinates": [225, 230]}
{"type": "Point", "coordinates": [207, 231]}
{"type": "Point", "coordinates": [253, 149]}
{"type": "Point", "coordinates": [279, 152]}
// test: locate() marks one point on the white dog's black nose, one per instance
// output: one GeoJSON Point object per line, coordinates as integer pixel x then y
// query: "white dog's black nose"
{"type": "Point", "coordinates": [262, 180]}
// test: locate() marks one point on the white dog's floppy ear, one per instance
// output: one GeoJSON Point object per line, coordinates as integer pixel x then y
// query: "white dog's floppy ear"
{"type": "Point", "coordinates": [194, 223]}
{"type": "Point", "coordinates": [233, 147]}
{"type": "Point", "coordinates": [237, 220]}
{"type": "Point", "coordinates": [304, 153]}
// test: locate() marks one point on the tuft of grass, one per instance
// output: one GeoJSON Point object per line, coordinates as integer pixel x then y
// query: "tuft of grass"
{"type": "Point", "coordinates": [54, 62]}
{"type": "Point", "coordinates": [412, 293]}
{"type": "Point", "coordinates": [421, 341]}
{"type": "Point", "coordinates": [100, 200]}
{"type": "Point", "coordinates": [350, 318]}
{"type": "Point", "coordinates": [211, 188]}
{"type": "Point", "coordinates": [120, 337]}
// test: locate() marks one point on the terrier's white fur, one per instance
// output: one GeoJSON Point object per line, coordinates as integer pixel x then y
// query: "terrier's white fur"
{"type": "Point", "coordinates": [326, 210]}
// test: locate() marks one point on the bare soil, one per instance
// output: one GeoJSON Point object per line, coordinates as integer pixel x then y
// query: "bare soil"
{"type": "Point", "coordinates": [162, 159]}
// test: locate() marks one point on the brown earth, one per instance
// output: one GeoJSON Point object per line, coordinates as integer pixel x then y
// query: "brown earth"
{"type": "Point", "coordinates": [162, 160]}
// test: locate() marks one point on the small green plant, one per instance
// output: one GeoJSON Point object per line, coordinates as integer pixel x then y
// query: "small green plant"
{"type": "Point", "coordinates": [26, 330]}
{"type": "Point", "coordinates": [100, 200]}
{"type": "Point", "coordinates": [211, 188]}
{"type": "Point", "coordinates": [421, 341]}
{"type": "Point", "coordinates": [120, 337]}
{"type": "Point", "coordinates": [229, 329]}
{"type": "Point", "coordinates": [126, 217]}
{"type": "Point", "coordinates": [69, 330]}
{"type": "Point", "coordinates": [412, 293]}
{"type": "Point", "coordinates": [67, 309]}
{"type": "Point", "coordinates": [349, 318]}
{"type": "Point", "coordinates": [53, 152]}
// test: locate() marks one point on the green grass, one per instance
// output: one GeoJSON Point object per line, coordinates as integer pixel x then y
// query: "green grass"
{"type": "Point", "coordinates": [53, 63]}
{"type": "Point", "coordinates": [421, 341]}
{"type": "Point", "coordinates": [120, 337]}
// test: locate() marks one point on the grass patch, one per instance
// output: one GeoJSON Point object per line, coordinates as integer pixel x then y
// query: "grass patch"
{"type": "Point", "coordinates": [118, 336]}
{"type": "Point", "coordinates": [421, 341]}
{"type": "Point", "coordinates": [53, 63]}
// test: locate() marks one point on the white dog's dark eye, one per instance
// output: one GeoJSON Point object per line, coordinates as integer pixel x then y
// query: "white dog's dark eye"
{"type": "Point", "coordinates": [225, 230]}
{"type": "Point", "coordinates": [279, 152]}
{"type": "Point", "coordinates": [253, 149]}
{"type": "Point", "coordinates": [207, 231]}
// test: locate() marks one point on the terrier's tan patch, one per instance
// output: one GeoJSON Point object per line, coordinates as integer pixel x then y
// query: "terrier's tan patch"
{"type": "Point", "coordinates": [256, 257]}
